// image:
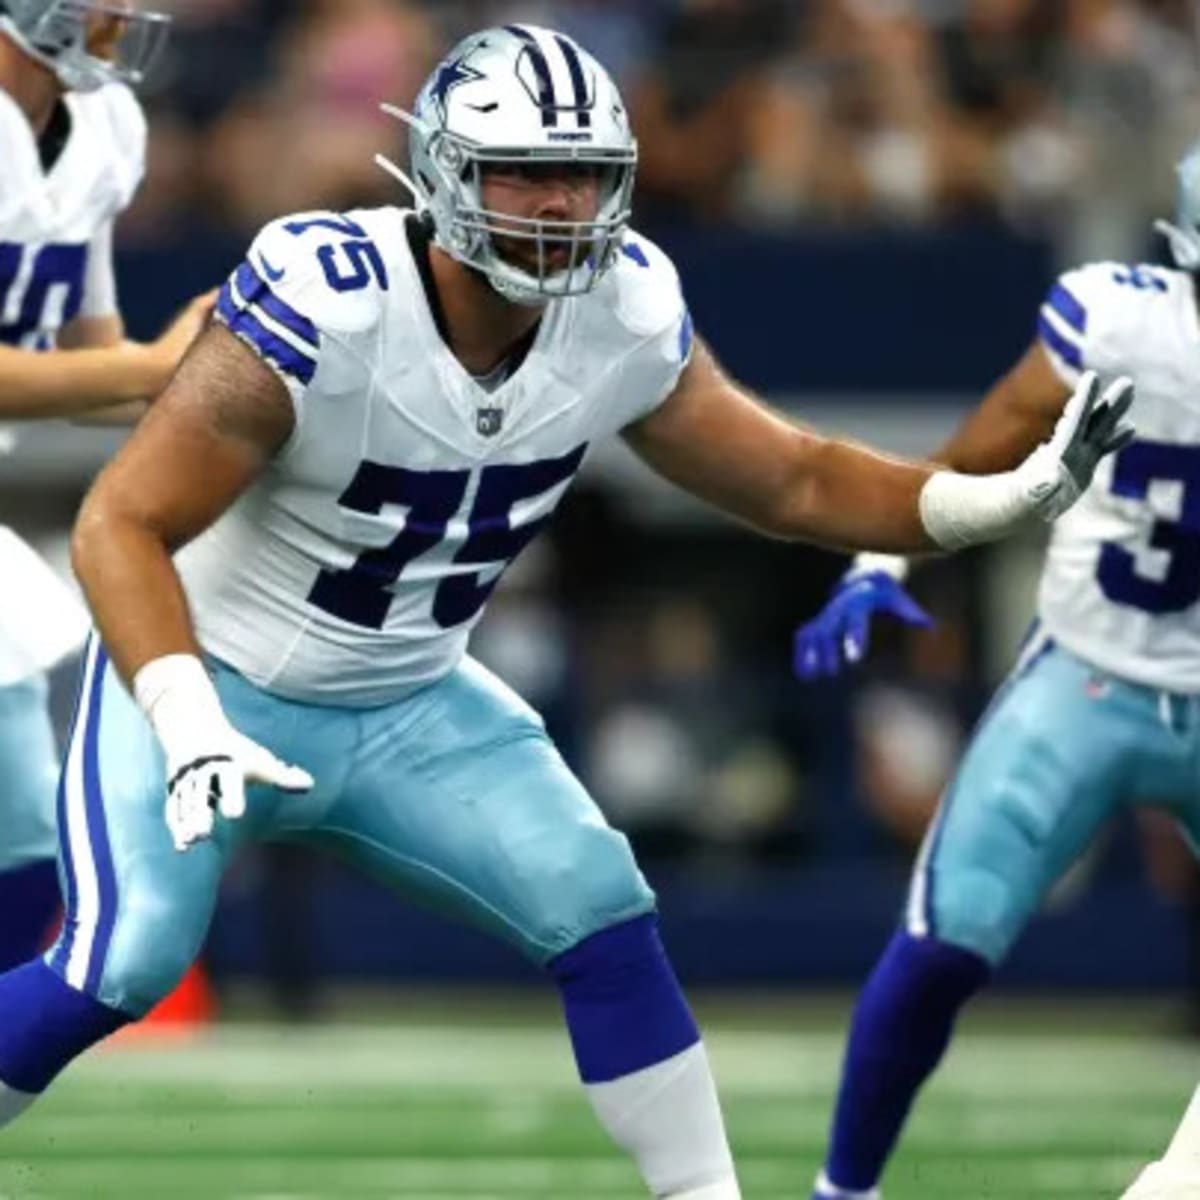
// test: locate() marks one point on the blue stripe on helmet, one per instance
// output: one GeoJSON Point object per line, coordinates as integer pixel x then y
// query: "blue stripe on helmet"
{"type": "Point", "coordinates": [547, 100]}
{"type": "Point", "coordinates": [578, 82]}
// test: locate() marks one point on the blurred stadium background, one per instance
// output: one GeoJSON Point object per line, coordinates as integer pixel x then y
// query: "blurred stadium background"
{"type": "Point", "coordinates": [866, 200]}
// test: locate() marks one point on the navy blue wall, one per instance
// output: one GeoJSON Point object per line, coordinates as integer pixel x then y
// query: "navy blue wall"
{"type": "Point", "coordinates": [835, 311]}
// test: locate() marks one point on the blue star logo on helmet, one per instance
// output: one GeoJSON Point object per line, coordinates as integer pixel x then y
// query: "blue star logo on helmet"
{"type": "Point", "coordinates": [451, 74]}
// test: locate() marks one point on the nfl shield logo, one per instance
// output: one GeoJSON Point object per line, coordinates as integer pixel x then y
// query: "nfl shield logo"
{"type": "Point", "coordinates": [489, 420]}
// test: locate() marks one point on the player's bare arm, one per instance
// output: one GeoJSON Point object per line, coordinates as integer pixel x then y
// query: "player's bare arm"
{"type": "Point", "coordinates": [97, 372]}
{"type": "Point", "coordinates": [203, 443]}
{"type": "Point", "coordinates": [716, 441]}
{"type": "Point", "coordinates": [92, 333]}
{"type": "Point", "coordinates": [713, 439]}
{"type": "Point", "coordinates": [1016, 415]}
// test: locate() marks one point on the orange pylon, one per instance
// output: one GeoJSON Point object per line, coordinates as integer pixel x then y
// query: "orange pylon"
{"type": "Point", "coordinates": [190, 1006]}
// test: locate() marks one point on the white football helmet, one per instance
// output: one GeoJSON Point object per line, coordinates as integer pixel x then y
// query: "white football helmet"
{"type": "Point", "coordinates": [63, 35]}
{"type": "Point", "coordinates": [519, 94]}
{"type": "Point", "coordinates": [1184, 234]}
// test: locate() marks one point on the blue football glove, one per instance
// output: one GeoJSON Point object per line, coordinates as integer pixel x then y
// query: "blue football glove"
{"type": "Point", "coordinates": [840, 632]}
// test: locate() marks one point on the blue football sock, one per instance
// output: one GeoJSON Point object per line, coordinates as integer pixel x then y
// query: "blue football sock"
{"type": "Point", "coordinates": [29, 902]}
{"type": "Point", "coordinates": [623, 1004]}
{"type": "Point", "coordinates": [642, 1062]}
{"type": "Point", "coordinates": [44, 1024]}
{"type": "Point", "coordinates": [901, 1028]}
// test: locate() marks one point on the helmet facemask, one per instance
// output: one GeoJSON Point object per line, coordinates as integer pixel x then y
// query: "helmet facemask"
{"type": "Point", "coordinates": [449, 172]}
{"type": "Point", "coordinates": [87, 43]}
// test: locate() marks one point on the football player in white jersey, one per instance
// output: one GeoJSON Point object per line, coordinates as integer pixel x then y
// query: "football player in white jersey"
{"type": "Point", "coordinates": [1101, 708]}
{"type": "Point", "coordinates": [390, 406]}
{"type": "Point", "coordinates": [72, 142]}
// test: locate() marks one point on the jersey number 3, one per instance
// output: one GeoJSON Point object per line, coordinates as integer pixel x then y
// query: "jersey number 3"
{"type": "Point", "coordinates": [363, 594]}
{"type": "Point", "coordinates": [1178, 587]}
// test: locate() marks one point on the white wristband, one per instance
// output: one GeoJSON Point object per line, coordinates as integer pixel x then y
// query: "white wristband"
{"type": "Point", "coordinates": [178, 698]}
{"type": "Point", "coordinates": [866, 563]}
{"type": "Point", "coordinates": [960, 510]}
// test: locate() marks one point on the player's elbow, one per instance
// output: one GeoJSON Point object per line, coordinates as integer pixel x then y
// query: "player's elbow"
{"type": "Point", "coordinates": [97, 533]}
{"type": "Point", "coordinates": [89, 533]}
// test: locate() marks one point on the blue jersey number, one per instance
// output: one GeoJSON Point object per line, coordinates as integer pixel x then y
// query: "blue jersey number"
{"type": "Point", "coordinates": [349, 265]}
{"type": "Point", "coordinates": [1145, 279]}
{"type": "Point", "coordinates": [53, 294]}
{"type": "Point", "coordinates": [363, 594]}
{"type": "Point", "coordinates": [1136, 468]}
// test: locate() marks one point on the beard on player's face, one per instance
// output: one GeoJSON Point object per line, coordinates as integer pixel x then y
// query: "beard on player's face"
{"type": "Point", "coordinates": [554, 255]}
{"type": "Point", "coordinates": [559, 195]}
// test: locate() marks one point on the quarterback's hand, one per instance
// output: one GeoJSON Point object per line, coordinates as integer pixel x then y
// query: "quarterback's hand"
{"type": "Point", "coordinates": [841, 631]}
{"type": "Point", "coordinates": [168, 350]}
{"type": "Point", "coordinates": [213, 780]}
{"type": "Point", "coordinates": [1092, 425]}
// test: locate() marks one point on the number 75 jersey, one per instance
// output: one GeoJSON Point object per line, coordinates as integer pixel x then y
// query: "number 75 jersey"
{"type": "Point", "coordinates": [1121, 584]}
{"type": "Point", "coordinates": [355, 567]}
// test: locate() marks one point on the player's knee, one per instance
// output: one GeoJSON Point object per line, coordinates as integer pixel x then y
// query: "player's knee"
{"type": "Point", "coordinates": [146, 964]}
{"type": "Point", "coordinates": [138, 983]}
{"type": "Point", "coordinates": [978, 909]}
{"type": "Point", "coordinates": [592, 882]}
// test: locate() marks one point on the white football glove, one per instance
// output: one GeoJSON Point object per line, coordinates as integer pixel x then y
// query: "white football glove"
{"type": "Point", "coordinates": [209, 762]}
{"type": "Point", "coordinates": [1059, 471]}
{"type": "Point", "coordinates": [961, 510]}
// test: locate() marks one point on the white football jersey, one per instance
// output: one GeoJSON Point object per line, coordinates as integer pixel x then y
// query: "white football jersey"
{"type": "Point", "coordinates": [56, 225]}
{"type": "Point", "coordinates": [55, 265]}
{"type": "Point", "coordinates": [356, 566]}
{"type": "Point", "coordinates": [1121, 584]}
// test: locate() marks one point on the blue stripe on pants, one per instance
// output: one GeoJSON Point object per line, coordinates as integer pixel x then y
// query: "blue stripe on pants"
{"type": "Point", "coordinates": [91, 886]}
{"type": "Point", "coordinates": [106, 879]}
{"type": "Point", "coordinates": [62, 952]}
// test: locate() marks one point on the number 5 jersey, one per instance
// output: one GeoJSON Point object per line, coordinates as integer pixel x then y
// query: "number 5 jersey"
{"type": "Point", "coordinates": [1122, 576]}
{"type": "Point", "coordinates": [356, 566]}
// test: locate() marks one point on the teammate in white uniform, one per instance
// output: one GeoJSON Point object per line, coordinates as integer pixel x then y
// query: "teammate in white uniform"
{"type": "Point", "coordinates": [72, 150]}
{"type": "Point", "coordinates": [391, 405]}
{"type": "Point", "coordinates": [1103, 707]}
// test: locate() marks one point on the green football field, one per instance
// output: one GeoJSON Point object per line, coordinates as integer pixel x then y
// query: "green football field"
{"type": "Point", "coordinates": [455, 1109]}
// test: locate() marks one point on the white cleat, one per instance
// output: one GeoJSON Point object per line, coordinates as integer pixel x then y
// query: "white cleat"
{"type": "Point", "coordinates": [726, 1189]}
{"type": "Point", "coordinates": [823, 1189]}
{"type": "Point", "coordinates": [1165, 1181]}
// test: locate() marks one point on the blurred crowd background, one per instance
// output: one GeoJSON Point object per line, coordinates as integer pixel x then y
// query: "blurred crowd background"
{"type": "Point", "coordinates": [1054, 115]}
{"type": "Point", "coordinates": [866, 200]}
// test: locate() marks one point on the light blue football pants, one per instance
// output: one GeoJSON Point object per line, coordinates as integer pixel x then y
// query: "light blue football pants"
{"type": "Point", "coordinates": [28, 775]}
{"type": "Point", "coordinates": [453, 795]}
{"type": "Point", "coordinates": [1061, 749]}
